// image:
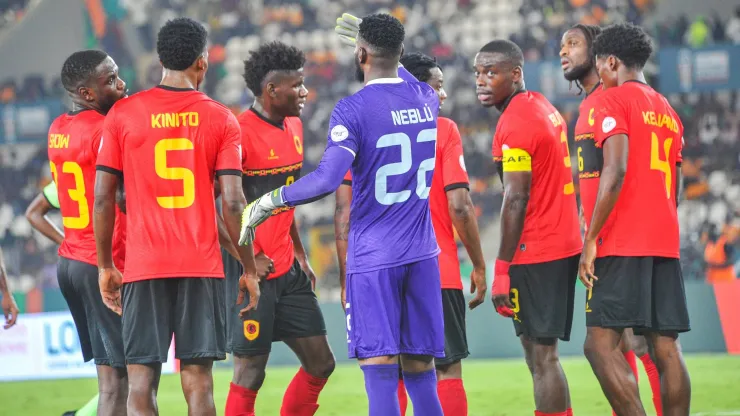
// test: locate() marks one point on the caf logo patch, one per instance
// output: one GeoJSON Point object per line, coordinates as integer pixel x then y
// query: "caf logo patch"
{"type": "Point", "coordinates": [251, 330]}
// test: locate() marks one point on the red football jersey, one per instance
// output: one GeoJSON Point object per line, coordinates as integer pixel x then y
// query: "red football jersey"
{"type": "Point", "coordinates": [74, 139]}
{"type": "Point", "coordinates": [170, 144]}
{"type": "Point", "coordinates": [590, 157]}
{"type": "Point", "coordinates": [644, 221]}
{"type": "Point", "coordinates": [531, 135]}
{"type": "Point", "coordinates": [272, 157]}
{"type": "Point", "coordinates": [449, 173]}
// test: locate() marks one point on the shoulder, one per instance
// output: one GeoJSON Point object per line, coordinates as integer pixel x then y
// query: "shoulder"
{"type": "Point", "coordinates": [294, 123]}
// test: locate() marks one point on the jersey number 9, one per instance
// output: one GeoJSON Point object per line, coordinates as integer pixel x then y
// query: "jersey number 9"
{"type": "Point", "coordinates": [399, 168]}
{"type": "Point", "coordinates": [174, 173]}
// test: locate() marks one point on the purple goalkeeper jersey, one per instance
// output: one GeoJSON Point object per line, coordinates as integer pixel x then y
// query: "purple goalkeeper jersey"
{"type": "Point", "coordinates": [390, 127]}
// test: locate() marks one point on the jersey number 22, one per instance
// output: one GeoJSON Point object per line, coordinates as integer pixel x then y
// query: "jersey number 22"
{"type": "Point", "coordinates": [399, 168]}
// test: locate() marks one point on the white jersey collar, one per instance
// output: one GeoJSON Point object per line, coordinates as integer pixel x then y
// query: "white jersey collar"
{"type": "Point", "coordinates": [396, 80]}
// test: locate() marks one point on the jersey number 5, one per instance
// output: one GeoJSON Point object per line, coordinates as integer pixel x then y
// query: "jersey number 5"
{"type": "Point", "coordinates": [399, 168]}
{"type": "Point", "coordinates": [76, 194]}
{"type": "Point", "coordinates": [656, 163]}
{"type": "Point", "coordinates": [174, 173]}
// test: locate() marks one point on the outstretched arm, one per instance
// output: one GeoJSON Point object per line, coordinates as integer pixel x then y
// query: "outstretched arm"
{"type": "Point", "coordinates": [321, 182]}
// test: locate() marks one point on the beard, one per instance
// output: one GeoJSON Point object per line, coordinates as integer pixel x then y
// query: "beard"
{"type": "Point", "coordinates": [578, 72]}
{"type": "Point", "coordinates": [359, 74]}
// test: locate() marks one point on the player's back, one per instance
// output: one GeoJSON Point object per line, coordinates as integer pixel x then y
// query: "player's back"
{"type": "Point", "coordinates": [73, 141]}
{"type": "Point", "coordinates": [170, 140]}
{"type": "Point", "coordinates": [590, 157]}
{"type": "Point", "coordinates": [394, 127]}
{"type": "Point", "coordinates": [531, 135]}
{"type": "Point", "coordinates": [644, 221]}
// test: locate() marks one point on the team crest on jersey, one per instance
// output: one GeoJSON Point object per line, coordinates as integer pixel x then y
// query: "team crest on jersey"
{"type": "Point", "coordinates": [298, 145]}
{"type": "Point", "coordinates": [251, 330]}
{"type": "Point", "coordinates": [608, 124]}
{"type": "Point", "coordinates": [339, 133]}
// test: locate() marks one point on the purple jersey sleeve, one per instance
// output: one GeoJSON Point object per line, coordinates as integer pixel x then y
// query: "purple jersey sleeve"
{"type": "Point", "coordinates": [321, 182]}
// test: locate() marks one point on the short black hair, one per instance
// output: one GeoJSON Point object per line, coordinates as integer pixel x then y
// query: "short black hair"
{"type": "Point", "coordinates": [383, 32]}
{"type": "Point", "coordinates": [180, 42]}
{"type": "Point", "coordinates": [509, 49]}
{"type": "Point", "coordinates": [419, 65]}
{"type": "Point", "coordinates": [629, 43]}
{"type": "Point", "coordinates": [273, 56]}
{"type": "Point", "coordinates": [79, 67]}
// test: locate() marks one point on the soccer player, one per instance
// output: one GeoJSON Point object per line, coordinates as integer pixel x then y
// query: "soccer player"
{"type": "Point", "coordinates": [450, 204]}
{"type": "Point", "coordinates": [91, 80]}
{"type": "Point", "coordinates": [272, 148]}
{"type": "Point", "coordinates": [170, 143]}
{"type": "Point", "coordinates": [10, 308]}
{"type": "Point", "coordinates": [537, 263]}
{"type": "Point", "coordinates": [386, 132]}
{"type": "Point", "coordinates": [579, 66]}
{"type": "Point", "coordinates": [631, 254]}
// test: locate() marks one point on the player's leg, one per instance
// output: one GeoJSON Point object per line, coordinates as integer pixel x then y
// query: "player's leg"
{"type": "Point", "coordinates": [619, 299]}
{"type": "Point", "coordinates": [543, 297]}
{"type": "Point", "coordinates": [200, 304]}
{"type": "Point", "coordinates": [373, 319]}
{"type": "Point", "coordinates": [450, 386]}
{"type": "Point", "coordinates": [422, 334]}
{"type": "Point", "coordinates": [626, 346]}
{"type": "Point", "coordinates": [640, 347]}
{"type": "Point", "coordinates": [670, 317]}
{"type": "Point", "coordinates": [300, 324]}
{"type": "Point", "coordinates": [250, 343]}
{"type": "Point", "coordinates": [148, 312]}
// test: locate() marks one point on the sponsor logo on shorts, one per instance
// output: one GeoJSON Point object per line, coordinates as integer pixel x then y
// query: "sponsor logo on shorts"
{"type": "Point", "coordinates": [251, 330]}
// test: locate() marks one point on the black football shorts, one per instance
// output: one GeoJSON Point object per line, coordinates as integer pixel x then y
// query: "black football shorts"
{"type": "Point", "coordinates": [456, 341]}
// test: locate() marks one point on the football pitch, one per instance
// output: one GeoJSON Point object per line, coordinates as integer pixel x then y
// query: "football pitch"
{"type": "Point", "coordinates": [495, 388]}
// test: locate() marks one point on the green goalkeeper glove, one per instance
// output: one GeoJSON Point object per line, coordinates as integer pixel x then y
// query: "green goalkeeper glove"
{"type": "Point", "coordinates": [257, 212]}
{"type": "Point", "coordinates": [347, 28]}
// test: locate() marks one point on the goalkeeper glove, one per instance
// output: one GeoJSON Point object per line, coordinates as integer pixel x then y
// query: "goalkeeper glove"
{"type": "Point", "coordinates": [347, 28]}
{"type": "Point", "coordinates": [257, 212]}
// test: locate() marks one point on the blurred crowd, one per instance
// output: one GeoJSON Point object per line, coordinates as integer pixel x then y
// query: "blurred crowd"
{"type": "Point", "coordinates": [450, 31]}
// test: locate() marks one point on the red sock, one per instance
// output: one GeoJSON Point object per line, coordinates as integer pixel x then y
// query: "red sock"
{"type": "Point", "coordinates": [452, 396]}
{"type": "Point", "coordinates": [568, 412]}
{"type": "Point", "coordinates": [654, 378]}
{"type": "Point", "coordinates": [240, 401]}
{"type": "Point", "coordinates": [302, 396]}
{"type": "Point", "coordinates": [403, 399]}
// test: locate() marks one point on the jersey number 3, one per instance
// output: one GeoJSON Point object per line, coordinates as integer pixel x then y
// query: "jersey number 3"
{"type": "Point", "coordinates": [76, 194]}
{"type": "Point", "coordinates": [399, 168]}
{"type": "Point", "coordinates": [174, 173]}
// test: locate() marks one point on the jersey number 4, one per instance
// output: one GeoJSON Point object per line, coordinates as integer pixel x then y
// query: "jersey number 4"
{"type": "Point", "coordinates": [656, 163]}
{"type": "Point", "coordinates": [76, 194]}
{"type": "Point", "coordinates": [399, 168]}
{"type": "Point", "coordinates": [174, 173]}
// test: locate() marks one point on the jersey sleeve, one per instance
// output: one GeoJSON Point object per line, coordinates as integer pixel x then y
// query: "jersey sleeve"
{"type": "Point", "coordinates": [97, 139]}
{"type": "Point", "coordinates": [611, 117]}
{"type": "Point", "coordinates": [343, 129]}
{"type": "Point", "coordinates": [513, 145]}
{"type": "Point", "coordinates": [347, 178]}
{"type": "Point", "coordinates": [229, 156]}
{"type": "Point", "coordinates": [50, 193]}
{"type": "Point", "coordinates": [110, 152]}
{"type": "Point", "coordinates": [680, 143]}
{"type": "Point", "coordinates": [454, 174]}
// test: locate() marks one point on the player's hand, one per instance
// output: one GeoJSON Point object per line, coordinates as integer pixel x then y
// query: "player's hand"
{"type": "Point", "coordinates": [343, 298]}
{"type": "Point", "coordinates": [248, 284]}
{"type": "Point", "coordinates": [501, 288]}
{"type": "Point", "coordinates": [347, 28]}
{"type": "Point", "coordinates": [306, 267]}
{"type": "Point", "coordinates": [10, 310]}
{"type": "Point", "coordinates": [257, 212]}
{"type": "Point", "coordinates": [265, 265]}
{"type": "Point", "coordinates": [110, 281]}
{"type": "Point", "coordinates": [586, 264]}
{"type": "Point", "coordinates": [477, 286]}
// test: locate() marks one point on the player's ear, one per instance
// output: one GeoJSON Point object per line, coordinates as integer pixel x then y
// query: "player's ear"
{"type": "Point", "coordinates": [611, 62]}
{"type": "Point", "coordinates": [362, 54]}
{"type": "Point", "coordinates": [86, 93]}
{"type": "Point", "coordinates": [270, 89]}
{"type": "Point", "coordinates": [517, 74]}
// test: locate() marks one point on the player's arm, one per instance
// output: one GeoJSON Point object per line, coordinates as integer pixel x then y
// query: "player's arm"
{"type": "Point", "coordinates": [341, 231]}
{"type": "Point", "coordinates": [616, 151]}
{"type": "Point", "coordinates": [223, 233]}
{"type": "Point", "coordinates": [300, 253]}
{"type": "Point", "coordinates": [104, 216]}
{"type": "Point", "coordinates": [10, 309]}
{"type": "Point", "coordinates": [679, 184]}
{"type": "Point", "coordinates": [462, 213]}
{"type": "Point", "coordinates": [37, 210]}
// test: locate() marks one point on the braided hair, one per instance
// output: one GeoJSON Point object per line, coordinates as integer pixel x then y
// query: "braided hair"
{"type": "Point", "coordinates": [590, 32]}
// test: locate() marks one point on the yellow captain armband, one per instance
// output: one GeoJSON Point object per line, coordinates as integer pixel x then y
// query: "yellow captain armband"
{"type": "Point", "coordinates": [516, 160]}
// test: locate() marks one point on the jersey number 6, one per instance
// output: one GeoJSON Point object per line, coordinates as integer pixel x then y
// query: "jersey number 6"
{"type": "Point", "coordinates": [174, 173]}
{"type": "Point", "coordinates": [399, 168]}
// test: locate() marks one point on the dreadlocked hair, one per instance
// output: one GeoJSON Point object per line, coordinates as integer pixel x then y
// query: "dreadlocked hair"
{"type": "Point", "coordinates": [590, 32]}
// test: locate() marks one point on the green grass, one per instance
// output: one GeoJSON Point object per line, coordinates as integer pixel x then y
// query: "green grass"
{"type": "Point", "coordinates": [494, 387]}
